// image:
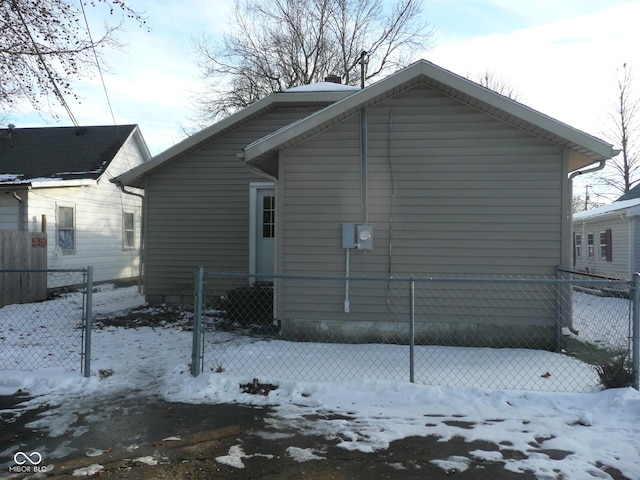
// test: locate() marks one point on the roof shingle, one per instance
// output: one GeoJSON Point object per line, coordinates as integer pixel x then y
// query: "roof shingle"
{"type": "Point", "coordinates": [62, 153]}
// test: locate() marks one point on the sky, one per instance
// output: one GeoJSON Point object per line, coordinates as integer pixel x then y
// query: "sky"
{"type": "Point", "coordinates": [561, 56]}
{"type": "Point", "coordinates": [359, 414]}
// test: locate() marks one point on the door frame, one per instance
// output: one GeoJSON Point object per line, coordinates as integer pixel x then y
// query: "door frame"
{"type": "Point", "coordinates": [253, 223]}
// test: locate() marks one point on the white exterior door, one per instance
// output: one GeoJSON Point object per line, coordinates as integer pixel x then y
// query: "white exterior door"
{"type": "Point", "coordinates": [263, 229]}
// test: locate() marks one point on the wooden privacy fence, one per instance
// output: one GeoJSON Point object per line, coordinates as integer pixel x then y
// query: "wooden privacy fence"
{"type": "Point", "coordinates": [23, 261]}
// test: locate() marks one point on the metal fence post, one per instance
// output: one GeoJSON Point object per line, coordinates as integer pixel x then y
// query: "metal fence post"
{"type": "Point", "coordinates": [88, 323]}
{"type": "Point", "coordinates": [196, 349]}
{"type": "Point", "coordinates": [412, 328]}
{"type": "Point", "coordinates": [635, 346]}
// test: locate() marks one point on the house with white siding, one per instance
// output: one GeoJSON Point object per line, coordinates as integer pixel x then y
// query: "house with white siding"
{"type": "Point", "coordinates": [422, 173]}
{"type": "Point", "coordinates": [607, 239]}
{"type": "Point", "coordinates": [56, 180]}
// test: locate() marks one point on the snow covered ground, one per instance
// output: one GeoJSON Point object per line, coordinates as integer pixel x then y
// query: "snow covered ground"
{"type": "Point", "coordinates": [598, 428]}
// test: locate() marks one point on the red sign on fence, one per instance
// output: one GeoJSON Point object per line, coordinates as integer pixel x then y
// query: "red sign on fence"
{"type": "Point", "coordinates": [38, 242]}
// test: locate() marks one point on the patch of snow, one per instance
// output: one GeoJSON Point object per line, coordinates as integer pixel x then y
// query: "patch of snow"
{"type": "Point", "coordinates": [234, 458]}
{"type": "Point", "coordinates": [87, 471]}
{"type": "Point", "coordinates": [322, 87]}
{"type": "Point", "coordinates": [302, 454]}
{"type": "Point", "coordinates": [147, 460]}
{"type": "Point", "coordinates": [453, 464]}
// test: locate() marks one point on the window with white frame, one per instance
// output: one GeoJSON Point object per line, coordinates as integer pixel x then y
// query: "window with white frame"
{"type": "Point", "coordinates": [128, 230]}
{"type": "Point", "coordinates": [590, 245]}
{"type": "Point", "coordinates": [578, 245]}
{"type": "Point", "coordinates": [66, 229]}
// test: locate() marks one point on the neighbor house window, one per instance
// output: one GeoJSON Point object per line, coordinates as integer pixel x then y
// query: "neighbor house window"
{"type": "Point", "coordinates": [578, 245]}
{"type": "Point", "coordinates": [605, 245]}
{"type": "Point", "coordinates": [590, 245]}
{"type": "Point", "coordinates": [128, 230]}
{"type": "Point", "coordinates": [66, 229]}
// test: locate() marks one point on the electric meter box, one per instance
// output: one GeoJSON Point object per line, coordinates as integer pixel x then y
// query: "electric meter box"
{"type": "Point", "coordinates": [365, 237]}
{"type": "Point", "coordinates": [357, 236]}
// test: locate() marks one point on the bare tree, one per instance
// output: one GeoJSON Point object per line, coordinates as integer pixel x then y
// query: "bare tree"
{"type": "Point", "coordinates": [44, 44]}
{"type": "Point", "coordinates": [273, 45]}
{"type": "Point", "coordinates": [623, 171]}
{"type": "Point", "coordinates": [490, 80]}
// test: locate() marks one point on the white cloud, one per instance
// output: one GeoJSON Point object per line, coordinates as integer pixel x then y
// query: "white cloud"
{"type": "Point", "coordinates": [565, 69]}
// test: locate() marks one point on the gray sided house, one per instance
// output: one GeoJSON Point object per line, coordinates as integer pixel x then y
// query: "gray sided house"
{"type": "Point", "coordinates": [56, 180]}
{"type": "Point", "coordinates": [607, 239]}
{"type": "Point", "coordinates": [422, 173]}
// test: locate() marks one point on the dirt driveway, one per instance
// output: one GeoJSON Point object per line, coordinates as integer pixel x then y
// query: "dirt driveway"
{"type": "Point", "coordinates": [134, 437]}
{"type": "Point", "coordinates": [147, 438]}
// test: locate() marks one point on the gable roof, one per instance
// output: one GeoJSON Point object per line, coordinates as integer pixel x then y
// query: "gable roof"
{"type": "Point", "coordinates": [631, 194]}
{"type": "Point", "coordinates": [46, 154]}
{"type": "Point", "coordinates": [321, 95]}
{"type": "Point", "coordinates": [628, 208]}
{"type": "Point", "coordinates": [584, 148]}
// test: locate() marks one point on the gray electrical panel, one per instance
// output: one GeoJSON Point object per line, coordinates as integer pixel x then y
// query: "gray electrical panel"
{"type": "Point", "coordinates": [359, 237]}
{"type": "Point", "coordinates": [348, 235]}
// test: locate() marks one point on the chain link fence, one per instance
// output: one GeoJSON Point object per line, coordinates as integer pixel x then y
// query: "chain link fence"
{"type": "Point", "coordinates": [550, 334]}
{"type": "Point", "coordinates": [46, 333]}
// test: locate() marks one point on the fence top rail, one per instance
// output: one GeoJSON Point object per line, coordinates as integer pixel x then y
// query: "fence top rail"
{"type": "Point", "coordinates": [43, 270]}
{"type": "Point", "coordinates": [425, 279]}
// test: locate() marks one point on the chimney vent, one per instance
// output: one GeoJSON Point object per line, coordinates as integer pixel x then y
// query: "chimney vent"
{"type": "Point", "coordinates": [333, 79]}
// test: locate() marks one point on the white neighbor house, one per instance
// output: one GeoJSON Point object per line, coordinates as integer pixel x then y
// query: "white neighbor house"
{"type": "Point", "coordinates": [607, 239]}
{"type": "Point", "coordinates": [57, 179]}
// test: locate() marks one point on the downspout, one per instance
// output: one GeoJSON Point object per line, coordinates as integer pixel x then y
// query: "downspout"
{"type": "Point", "coordinates": [566, 308]}
{"type": "Point", "coordinates": [142, 231]}
{"type": "Point", "coordinates": [598, 167]}
{"type": "Point", "coordinates": [21, 219]}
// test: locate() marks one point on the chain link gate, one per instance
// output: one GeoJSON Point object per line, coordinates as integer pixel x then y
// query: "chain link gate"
{"type": "Point", "coordinates": [42, 333]}
{"type": "Point", "coordinates": [480, 331]}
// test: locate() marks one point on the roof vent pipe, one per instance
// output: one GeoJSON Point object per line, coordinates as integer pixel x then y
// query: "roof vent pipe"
{"type": "Point", "coordinates": [363, 67]}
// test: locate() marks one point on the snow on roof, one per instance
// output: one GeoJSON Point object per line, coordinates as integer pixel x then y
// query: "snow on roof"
{"type": "Point", "coordinates": [607, 209]}
{"type": "Point", "coordinates": [322, 87]}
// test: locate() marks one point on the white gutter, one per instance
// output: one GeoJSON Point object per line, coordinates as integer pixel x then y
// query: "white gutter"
{"type": "Point", "coordinates": [56, 183]}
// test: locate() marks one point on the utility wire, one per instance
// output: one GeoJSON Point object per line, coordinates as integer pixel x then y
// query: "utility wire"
{"type": "Point", "coordinates": [95, 55]}
{"type": "Point", "coordinates": [57, 91]}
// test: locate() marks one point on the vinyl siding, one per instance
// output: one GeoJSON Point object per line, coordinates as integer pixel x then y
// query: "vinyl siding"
{"type": "Point", "coordinates": [198, 209]}
{"type": "Point", "coordinates": [456, 191]}
{"type": "Point", "coordinates": [619, 266]}
{"type": "Point", "coordinates": [10, 211]}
